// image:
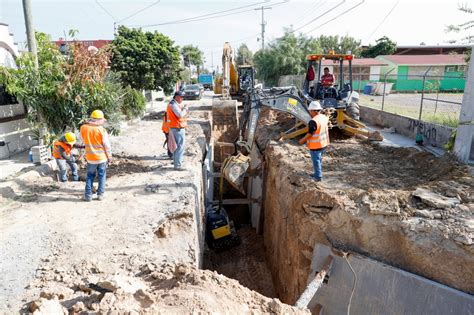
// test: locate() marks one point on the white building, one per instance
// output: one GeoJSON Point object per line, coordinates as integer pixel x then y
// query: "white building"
{"type": "Point", "coordinates": [15, 132]}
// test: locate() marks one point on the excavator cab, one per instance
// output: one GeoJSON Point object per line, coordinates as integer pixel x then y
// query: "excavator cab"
{"type": "Point", "coordinates": [246, 78]}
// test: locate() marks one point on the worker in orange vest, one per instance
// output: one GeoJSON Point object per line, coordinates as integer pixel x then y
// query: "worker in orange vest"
{"type": "Point", "coordinates": [62, 153]}
{"type": "Point", "coordinates": [166, 130]}
{"type": "Point", "coordinates": [317, 138]}
{"type": "Point", "coordinates": [176, 114]}
{"type": "Point", "coordinates": [98, 153]}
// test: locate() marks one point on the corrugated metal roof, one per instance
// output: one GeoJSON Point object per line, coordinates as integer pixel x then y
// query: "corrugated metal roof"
{"type": "Point", "coordinates": [359, 62]}
{"type": "Point", "coordinates": [425, 59]}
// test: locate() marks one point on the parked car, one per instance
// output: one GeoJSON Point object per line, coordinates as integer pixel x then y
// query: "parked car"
{"type": "Point", "coordinates": [192, 91]}
{"type": "Point", "coordinates": [201, 86]}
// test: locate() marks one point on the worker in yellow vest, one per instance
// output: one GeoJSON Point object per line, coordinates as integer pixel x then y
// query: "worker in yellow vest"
{"type": "Point", "coordinates": [176, 114]}
{"type": "Point", "coordinates": [62, 153]}
{"type": "Point", "coordinates": [317, 138]}
{"type": "Point", "coordinates": [98, 153]}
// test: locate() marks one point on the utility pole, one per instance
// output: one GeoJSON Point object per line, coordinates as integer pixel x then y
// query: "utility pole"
{"type": "Point", "coordinates": [464, 145]}
{"type": "Point", "coordinates": [30, 31]}
{"type": "Point", "coordinates": [263, 24]}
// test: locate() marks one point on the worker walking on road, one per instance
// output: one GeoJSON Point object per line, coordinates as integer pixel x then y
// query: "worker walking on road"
{"type": "Point", "coordinates": [177, 122]}
{"type": "Point", "coordinates": [98, 153]}
{"type": "Point", "coordinates": [317, 138]}
{"type": "Point", "coordinates": [62, 153]}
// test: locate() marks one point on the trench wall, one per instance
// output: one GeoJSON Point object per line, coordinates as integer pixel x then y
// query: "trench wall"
{"type": "Point", "coordinates": [298, 214]}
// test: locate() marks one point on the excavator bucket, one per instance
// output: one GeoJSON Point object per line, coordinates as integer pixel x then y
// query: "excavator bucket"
{"type": "Point", "coordinates": [352, 126]}
{"type": "Point", "coordinates": [234, 169]}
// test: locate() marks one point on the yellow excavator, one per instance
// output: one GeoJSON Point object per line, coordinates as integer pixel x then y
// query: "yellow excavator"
{"type": "Point", "coordinates": [339, 101]}
{"type": "Point", "coordinates": [235, 80]}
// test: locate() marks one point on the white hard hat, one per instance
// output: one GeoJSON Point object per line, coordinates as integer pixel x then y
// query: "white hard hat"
{"type": "Point", "coordinates": [315, 105]}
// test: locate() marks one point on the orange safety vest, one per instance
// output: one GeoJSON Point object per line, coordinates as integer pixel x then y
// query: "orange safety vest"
{"type": "Point", "coordinates": [67, 149]}
{"type": "Point", "coordinates": [96, 143]}
{"type": "Point", "coordinates": [173, 120]}
{"type": "Point", "coordinates": [320, 138]}
{"type": "Point", "coordinates": [165, 127]}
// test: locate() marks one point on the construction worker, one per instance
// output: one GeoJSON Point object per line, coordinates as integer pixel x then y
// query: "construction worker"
{"type": "Point", "coordinates": [98, 153]}
{"type": "Point", "coordinates": [166, 130]}
{"type": "Point", "coordinates": [176, 117]}
{"type": "Point", "coordinates": [62, 153]}
{"type": "Point", "coordinates": [317, 138]}
{"type": "Point", "coordinates": [327, 79]}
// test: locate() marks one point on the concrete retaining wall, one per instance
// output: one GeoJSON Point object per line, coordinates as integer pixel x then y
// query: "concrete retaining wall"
{"type": "Point", "coordinates": [433, 134]}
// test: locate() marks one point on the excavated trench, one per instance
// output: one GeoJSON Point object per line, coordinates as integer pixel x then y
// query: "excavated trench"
{"type": "Point", "coordinates": [402, 207]}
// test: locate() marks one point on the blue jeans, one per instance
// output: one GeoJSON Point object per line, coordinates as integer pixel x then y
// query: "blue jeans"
{"type": "Point", "coordinates": [179, 136]}
{"type": "Point", "coordinates": [92, 170]}
{"type": "Point", "coordinates": [63, 170]}
{"type": "Point", "coordinates": [317, 158]}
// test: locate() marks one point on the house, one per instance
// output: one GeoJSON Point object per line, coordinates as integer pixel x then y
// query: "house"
{"type": "Point", "coordinates": [433, 49]}
{"type": "Point", "coordinates": [363, 70]}
{"type": "Point", "coordinates": [15, 132]}
{"type": "Point", "coordinates": [406, 71]}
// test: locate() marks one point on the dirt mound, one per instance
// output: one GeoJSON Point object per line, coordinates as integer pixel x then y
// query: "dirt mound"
{"type": "Point", "coordinates": [159, 289]}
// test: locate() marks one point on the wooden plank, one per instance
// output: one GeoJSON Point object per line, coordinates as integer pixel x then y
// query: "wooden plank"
{"type": "Point", "coordinates": [237, 201]}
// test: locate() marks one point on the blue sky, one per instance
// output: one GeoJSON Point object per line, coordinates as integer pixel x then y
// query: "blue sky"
{"type": "Point", "coordinates": [410, 21]}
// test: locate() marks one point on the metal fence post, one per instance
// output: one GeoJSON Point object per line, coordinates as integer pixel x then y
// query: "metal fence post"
{"type": "Point", "coordinates": [423, 92]}
{"type": "Point", "coordinates": [384, 84]}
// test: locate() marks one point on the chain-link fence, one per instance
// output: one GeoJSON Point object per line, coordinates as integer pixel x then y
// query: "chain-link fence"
{"type": "Point", "coordinates": [426, 96]}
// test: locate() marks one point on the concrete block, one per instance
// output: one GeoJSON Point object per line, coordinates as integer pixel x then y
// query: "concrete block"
{"type": "Point", "coordinates": [382, 289]}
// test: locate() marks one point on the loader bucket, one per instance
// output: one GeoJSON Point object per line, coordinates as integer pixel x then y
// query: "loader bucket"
{"type": "Point", "coordinates": [234, 169]}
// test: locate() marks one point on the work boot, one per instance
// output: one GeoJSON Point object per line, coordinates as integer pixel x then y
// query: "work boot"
{"type": "Point", "coordinates": [88, 199]}
{"type": "Point", "coordinates": [100, 197]}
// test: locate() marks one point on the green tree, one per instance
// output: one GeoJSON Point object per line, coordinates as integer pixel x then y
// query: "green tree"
{"type": "Point", "coordinates": [284, 56]}
{"type": "Point", "coordinates": [244, 55]}
{"type": "Point", "coordinates": [462, 28]}
{"type": "Point", "coordinates": [63, 90]}
{"type": "Point", "coordinates": [192, 56]}
{"type": "Point", "coordinates": [340, 45]}
{"type": "Point", "coordinates": [145, 60]}
{"type": "Point", "coordinates": [384, 46]}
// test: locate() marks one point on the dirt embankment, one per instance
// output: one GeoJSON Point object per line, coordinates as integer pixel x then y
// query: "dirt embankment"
{"type": "Point", "coordinates": [400, 206]}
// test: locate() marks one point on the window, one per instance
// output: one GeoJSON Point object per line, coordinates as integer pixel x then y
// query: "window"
{"type": "Point", "coordinates": [462, 68]}
{"type": "Point", "coordinates": [417, 72]}
{"type": "Point", "coordinates": [450, 68]}
{"type": "Point", "coordinates": [5, 98]}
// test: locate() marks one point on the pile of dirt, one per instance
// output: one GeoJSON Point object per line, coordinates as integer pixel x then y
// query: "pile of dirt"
{"type": "Point", "coordinates": [157, 289]}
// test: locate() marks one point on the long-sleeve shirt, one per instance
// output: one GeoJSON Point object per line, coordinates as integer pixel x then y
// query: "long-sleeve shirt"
{"type": "Point", "coordinates": [176, 108]}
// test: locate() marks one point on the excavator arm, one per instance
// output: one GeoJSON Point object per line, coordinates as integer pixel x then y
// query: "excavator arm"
{"type": "Point", "coordinates": [283, 99]}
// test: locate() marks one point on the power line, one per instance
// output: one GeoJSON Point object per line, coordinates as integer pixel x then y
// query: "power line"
{"type": "Point", "coordinates": [383, 20]}
{"type": "Point", "coordinates": [139, 11]}
{"type": "Point", "coordinates": [336, 17]}
{"type": "Point", "coordinates": [207, 16]}
{"type": "Point", "coordinates": [105, 10]}
{"type": "Point", "coordinates": [319, 16]}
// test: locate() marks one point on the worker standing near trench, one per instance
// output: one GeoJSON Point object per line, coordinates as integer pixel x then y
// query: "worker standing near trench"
{"type": "Point", "coordinates": [317, 138]}
{"type": "Point", "coordinates": [98, 153]}
{"type": "Point", "coordinates": [62, 153]}
{"type": "Point", "coordinates": [177, 122]}
{"type": "Point", "coordinates": [166, 130]}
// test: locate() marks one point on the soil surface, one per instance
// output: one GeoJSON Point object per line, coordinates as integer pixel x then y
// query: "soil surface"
{"type": "Point", "coordinates": [401, 206]}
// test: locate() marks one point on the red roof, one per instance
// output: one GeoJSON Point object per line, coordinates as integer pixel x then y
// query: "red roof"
{"type": "Point", "coordinates": [98, 43]}
{"type": "Point", "coordinates": [359, 62]}
{"type": "Point", "coordinates": [426, 59]}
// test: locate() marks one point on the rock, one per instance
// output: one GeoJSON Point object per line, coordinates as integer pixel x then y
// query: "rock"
{"type": "Point", "coordinates": [143, 298]}
{"type": "Point", "coordinates": [108, 285]}
{"type": "Point", "coordinates": [424, 214]}
{"type": "Point", "coordinates": [463, 239]}
{"type": "Point", "coordinates": [54, 290]}
{"type": "Point", "coordinates": [46, 307]}
{"type": "Point", "coordinates": [435, 200]}
{"type": "Point", "coordinates": [383, 203]}
{"type": "Point", "coordinates": [78, 307]}
{"type": "Point", "coordinates": [107, 301]}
